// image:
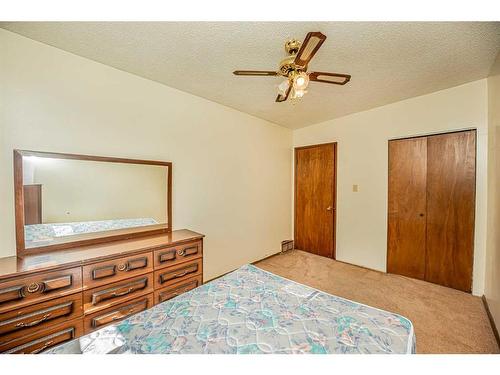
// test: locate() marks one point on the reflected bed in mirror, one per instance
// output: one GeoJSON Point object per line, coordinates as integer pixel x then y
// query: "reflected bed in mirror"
{"type": "Point", "coordinates": [67, 200]}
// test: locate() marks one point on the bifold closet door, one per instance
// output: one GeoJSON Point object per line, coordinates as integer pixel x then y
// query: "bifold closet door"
{"type": "Point", "coordinates": [431, 208]}
{"type": "Point", "coordinates": [451, 181]}
{"type": "Point", "coordinates": [407, 207]}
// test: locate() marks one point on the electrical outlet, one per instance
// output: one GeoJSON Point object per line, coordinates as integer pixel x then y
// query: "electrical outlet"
{"type": "Point", "coordinates": [355, 188]}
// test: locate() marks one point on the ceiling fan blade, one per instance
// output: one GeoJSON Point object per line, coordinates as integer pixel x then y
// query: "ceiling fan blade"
{"type": "Point", "coordinates": [335, 78]}
{"type": "Point", "coordinates": [254, 73]}
{"type": "Point", "coordinates": [280, 98]}
{"type": "Point", "coordinates": [309, 47]}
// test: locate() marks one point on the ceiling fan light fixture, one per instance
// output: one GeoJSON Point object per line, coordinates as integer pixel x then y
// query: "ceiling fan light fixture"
{"type": "Point", "coordinates": [300, 81]}
{"type": "Point", "coordinates": [297, 94]}
{"type": "Point", "coordinates": [294, 68]}
{"type": "Point", "coordinates": [283, 87]}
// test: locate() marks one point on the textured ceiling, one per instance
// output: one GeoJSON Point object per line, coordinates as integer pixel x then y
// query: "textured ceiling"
{"type": "Point", "coordinates": [388, 61]}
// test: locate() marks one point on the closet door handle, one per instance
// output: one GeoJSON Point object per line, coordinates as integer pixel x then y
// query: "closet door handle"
{"type": "Point", "coordinates": [421, 215]}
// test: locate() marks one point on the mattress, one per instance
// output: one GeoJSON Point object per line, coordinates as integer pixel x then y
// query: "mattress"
{"type": "Point", "coordinates": [252, 311]}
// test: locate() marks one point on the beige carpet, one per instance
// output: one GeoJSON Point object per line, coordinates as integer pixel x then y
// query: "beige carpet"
{"type": "Point", "coordinates": [445, 320]}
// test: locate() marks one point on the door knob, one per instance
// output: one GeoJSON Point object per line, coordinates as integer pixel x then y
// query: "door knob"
{"type": "Point", "coordinates": [329, 208]}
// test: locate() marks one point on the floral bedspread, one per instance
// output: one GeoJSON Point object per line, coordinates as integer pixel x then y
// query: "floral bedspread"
{"type": "Point", "coordinates": [252, 311]}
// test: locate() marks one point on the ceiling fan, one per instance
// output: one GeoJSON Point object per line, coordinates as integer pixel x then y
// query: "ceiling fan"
{"type": "Point", "coordinates": [294, 68]}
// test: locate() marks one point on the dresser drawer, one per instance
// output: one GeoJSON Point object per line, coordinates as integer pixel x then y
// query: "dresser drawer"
{"type": "Point", "coordinates": [117, 269]}
{"type": "Point", "coordinates": [112, 294]}
{"type": "Point", "coordinates": [44, 339]}
{"type": "Point", "coordinates": [116, 313]}
{"type": "Point", "coordinates": [176, 289]}
{"type": "Point", "coordinates": [26, 320]}
{"type": "Point", "coordinates": [177, 254]}
{"type": "Point", "coordinates": [178, 273]}
{"type": "Point", "coordinates": [39, 287]}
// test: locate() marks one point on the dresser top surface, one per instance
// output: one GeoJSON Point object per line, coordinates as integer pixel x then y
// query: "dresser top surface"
{"type": "Point", "coordinates": [14, 266]}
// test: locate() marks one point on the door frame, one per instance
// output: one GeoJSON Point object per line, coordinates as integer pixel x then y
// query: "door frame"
{"type": "Point", "coordinates": [334, 192]}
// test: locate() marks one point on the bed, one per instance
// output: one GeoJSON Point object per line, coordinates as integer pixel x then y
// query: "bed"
{"type": "Point", "coordinates": [252, 311]}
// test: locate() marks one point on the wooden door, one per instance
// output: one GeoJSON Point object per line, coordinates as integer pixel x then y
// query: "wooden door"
{"type": "Point", "coordinates": [451, 180]}
{"type": "Point", "coordinates": [407, 207]}
{"type": "Point", "coordinates": [315, 169]}
{"type": "Point", "coordinates": [32, 204]}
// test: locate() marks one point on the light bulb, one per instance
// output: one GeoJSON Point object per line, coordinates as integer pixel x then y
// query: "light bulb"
{"type": "Point", "coordinates": [300, 81]}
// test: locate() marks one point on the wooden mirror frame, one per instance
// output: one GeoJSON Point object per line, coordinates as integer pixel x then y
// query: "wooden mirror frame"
{"type": "Point", "coordinates": [87, 238]}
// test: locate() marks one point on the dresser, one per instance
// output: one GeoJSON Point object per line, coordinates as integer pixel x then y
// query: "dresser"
{"type": "Point", "coordinates": [51, 298]}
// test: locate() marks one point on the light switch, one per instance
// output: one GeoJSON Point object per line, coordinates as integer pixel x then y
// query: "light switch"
{"type": "Point", "coordinates": [355, 188]}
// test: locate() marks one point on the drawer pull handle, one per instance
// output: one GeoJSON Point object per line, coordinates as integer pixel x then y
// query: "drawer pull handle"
{"type": "Point", "coordinates": [181, 291]}
{"type": "Point", "coordinates": [172, 275]}
{"type": "Point", "coordinates": [106, 294]}
{"type": "Point", "coordinates": [178, 291]}
{"type": "Point", "coordinates": [121, 316]}
{"type": "Point", "coordinates": [33, 323]}
{"type": "Point", "coordinates": [194, 269]}
{"type": "Point", "coordinates": [45, 346]}
{"type": "Point", "coordinates": [115, 294]}
{"type": "Point", "coordinates": [166, 296]}
{"type": "Point", "coordinates": [27, 320]}
{"type": "Point", "coordinates": [55, 338]}
{"type": "Point", "coordinates": [186, 287]}
{"type": "Point", "coordinates": [33, 288]}
{"type": "Point", "coordinates": [122, 267]}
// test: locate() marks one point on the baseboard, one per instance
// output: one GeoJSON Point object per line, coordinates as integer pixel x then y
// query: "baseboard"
{"type": "Point", "coordinates": [217, 277]}
{"type": "Point", "coordinates": [269, 256]}
{"type": "Point", "coordinates": [492, 321]}
{"type": "Point", "coordinates": [364, 267]}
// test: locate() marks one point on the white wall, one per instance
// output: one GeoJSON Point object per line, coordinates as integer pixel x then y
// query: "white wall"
{"type": "Point", "coordinates": [231, 171]}
{"type": "Point", "coordinates": [492, 279]}
{"type": "Point", "coordinates": [362, 159]}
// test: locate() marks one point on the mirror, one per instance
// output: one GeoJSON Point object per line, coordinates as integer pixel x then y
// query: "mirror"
{"type": "Point", "coordinates": [69, 200]}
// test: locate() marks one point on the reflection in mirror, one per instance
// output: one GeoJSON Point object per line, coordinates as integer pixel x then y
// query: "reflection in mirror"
{"type": "Point", "coordinates": [66, 199]}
